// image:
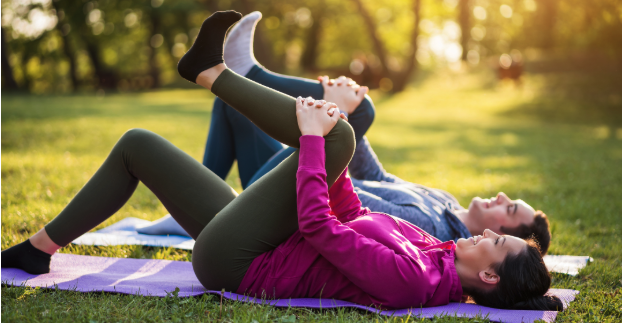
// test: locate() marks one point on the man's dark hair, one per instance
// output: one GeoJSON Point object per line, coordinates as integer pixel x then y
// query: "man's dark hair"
{"type": "Point", "coordinates": [523, 283]}
{"type": "Point", "coordinates": [539, 230]}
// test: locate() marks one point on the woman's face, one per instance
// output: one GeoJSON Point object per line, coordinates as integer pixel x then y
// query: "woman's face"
{"type": "Point", "coordinates": [480, 253]}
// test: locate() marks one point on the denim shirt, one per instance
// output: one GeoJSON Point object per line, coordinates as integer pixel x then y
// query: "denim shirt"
{"type": "Point", "coordinates": [432, 210]}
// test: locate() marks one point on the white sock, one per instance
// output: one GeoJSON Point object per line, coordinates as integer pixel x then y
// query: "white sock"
{"type": "Point", "coordinates": [239, 56]}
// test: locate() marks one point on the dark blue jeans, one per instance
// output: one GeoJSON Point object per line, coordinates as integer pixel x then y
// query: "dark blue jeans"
{"type": "Point", "coordinates": [232, 136]}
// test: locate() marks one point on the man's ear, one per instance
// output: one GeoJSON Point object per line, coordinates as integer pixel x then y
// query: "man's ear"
{"type": "Point", "coordinates": [489, 276]}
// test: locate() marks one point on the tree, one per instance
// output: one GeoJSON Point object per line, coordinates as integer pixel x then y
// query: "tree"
{"type": "Point", "coordinates": [547, 14]}
{"type": "Point", "coordinates": [400, 78]}
{"type": "Point", "coordinates": [154, 71]}
{"type": "Point", "coordinates": [64, 30]}
{"type": "Point", "coordinates": [73, 20]}
{"type": "Point", "coordinates": [312, 41]}
{"type": "Point", "coordinates": [7, 70]}
{"type": "Point", "coordinates": [464, 20]}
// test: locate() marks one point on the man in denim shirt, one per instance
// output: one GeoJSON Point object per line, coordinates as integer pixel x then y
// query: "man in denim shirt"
{"type": "Point", "coordinates": [432, 210]}
{"type": "Point", "coordinates": [437, 211]}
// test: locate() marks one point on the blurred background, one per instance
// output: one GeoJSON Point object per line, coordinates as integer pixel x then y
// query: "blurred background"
{"type": "Point", "coordinates": [472, 97]}
{"type": "Point", "coordinates": [62, 46]}
{"type": "Point", "coordinates": [566, 53]}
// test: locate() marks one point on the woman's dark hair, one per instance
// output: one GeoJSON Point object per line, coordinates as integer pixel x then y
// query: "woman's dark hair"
{"type": "Point", "coordinates": [538, 229]}
{"type": "Point", "coordinates": [523, 283]}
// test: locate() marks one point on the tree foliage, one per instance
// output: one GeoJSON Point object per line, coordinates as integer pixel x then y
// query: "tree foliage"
{"type": "Point", "coordinates": [66, 45]}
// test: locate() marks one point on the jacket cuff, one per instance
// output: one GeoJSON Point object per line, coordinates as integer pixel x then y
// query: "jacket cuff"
{"type": "Point", "coordinates": [312, 152]}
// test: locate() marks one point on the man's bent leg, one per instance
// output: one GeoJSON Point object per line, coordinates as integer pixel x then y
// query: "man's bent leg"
{"type": "Point", "coordinates": [219, 149]}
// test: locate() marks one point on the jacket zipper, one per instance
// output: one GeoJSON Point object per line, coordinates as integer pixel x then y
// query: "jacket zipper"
{"type": "Point", "coordinates": [394, 220]}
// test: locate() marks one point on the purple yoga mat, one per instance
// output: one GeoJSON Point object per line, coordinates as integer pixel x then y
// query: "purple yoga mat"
{"type": "Point", "coordinates": [150, 277]}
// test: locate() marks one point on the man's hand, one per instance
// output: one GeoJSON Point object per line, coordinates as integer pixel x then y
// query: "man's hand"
{"type": "Point", "coordinates": [344, 92]}
{"type": "Point", "coordinates": [316, 118]}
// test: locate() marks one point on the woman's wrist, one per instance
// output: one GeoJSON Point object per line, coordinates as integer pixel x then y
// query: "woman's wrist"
{"type": "Point", "coordinates": [311, 133]}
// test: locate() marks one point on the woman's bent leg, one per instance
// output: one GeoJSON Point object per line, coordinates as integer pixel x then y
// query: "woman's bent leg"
{"type": "Point", "coordinates": [260, 219]}
{"type": "Point", "coordinates": [265, 214]}
{"type": "Point", "coordinates": [189, 191]}
{"type": "Point", "coordinates": [254, 150]}
{"type": "Point", "coordinates": [271, 163]}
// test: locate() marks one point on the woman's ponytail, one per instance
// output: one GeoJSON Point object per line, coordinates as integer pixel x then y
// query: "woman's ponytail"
{"type": "Point", "coordinates": [541, 303]}
{"type": "Point", "coordinates": [524, 282]}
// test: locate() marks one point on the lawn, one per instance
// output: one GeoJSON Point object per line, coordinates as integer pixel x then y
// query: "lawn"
{"type": "Point", "coordinates": [555, 142]}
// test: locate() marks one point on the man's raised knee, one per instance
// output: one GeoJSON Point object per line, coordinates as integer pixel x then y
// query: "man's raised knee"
{"type": "Point", "coordinates": [367, 109]}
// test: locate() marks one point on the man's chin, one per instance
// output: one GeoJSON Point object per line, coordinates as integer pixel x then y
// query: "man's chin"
{"type": "Point", "coordinates": [475, 203]}
{"type": "Point", "coordinates": [474, 210]}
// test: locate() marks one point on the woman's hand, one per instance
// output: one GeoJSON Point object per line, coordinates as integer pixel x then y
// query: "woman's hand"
{"type": "Point", "coordinates": [316, 118]}
{"type": "Point", "coordinates": [344, 92]}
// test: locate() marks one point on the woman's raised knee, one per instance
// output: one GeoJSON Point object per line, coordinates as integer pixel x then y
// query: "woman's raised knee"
{"type": "Point", "coordinates": [137, 136]}
{"type": "Point", "coordinates": [340, 142]}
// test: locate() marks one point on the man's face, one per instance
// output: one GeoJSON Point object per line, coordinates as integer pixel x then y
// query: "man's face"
{"type": "Point", "coordinates": [499, 211]}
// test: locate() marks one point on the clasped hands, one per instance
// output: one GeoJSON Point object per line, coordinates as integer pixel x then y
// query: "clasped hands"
{"type": "Point", "coordinates": [318, 117]}
{"type": "Point", "coordinates": [344, 92]}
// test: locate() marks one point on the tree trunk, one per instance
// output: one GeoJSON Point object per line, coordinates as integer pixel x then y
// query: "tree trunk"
{"type": "Point", "coordinates": [547, 12]}
{"type": "Point", "coordinates": [154, 71]}
{"type": "Point", "coordinates": [371, 31]}
{"type": "Point", "coordinates": [312, 43]}
{"type": "Point", "coordinates": [106, 79]}
{"type": "Point", "coordinates": [401, 80]}
{"type": "Point", "coordinates": [464, 20]}
{"type": "Point", "coordinates": [71, 57]}
{"type": "Point", "coordinates": [7, 70]}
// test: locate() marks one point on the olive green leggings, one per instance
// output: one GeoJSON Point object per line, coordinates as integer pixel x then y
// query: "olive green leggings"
{"type": "Point", "coordinates": [256, 221]}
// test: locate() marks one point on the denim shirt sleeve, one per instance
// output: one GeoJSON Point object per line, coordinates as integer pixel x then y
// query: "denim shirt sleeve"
{"type": "Point", "coordinates": [365, 165]}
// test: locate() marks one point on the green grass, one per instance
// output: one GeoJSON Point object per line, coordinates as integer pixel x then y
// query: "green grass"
{"type": "Point", "coordinates": [555, 143]}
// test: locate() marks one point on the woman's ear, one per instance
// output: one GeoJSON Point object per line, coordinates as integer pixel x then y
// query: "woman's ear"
{"type": "Point", "coordinates": [489, 276]}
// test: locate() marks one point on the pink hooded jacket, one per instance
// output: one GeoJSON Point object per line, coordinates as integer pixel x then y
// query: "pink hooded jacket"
{"type": "Point", "coordinates": [343, 251]}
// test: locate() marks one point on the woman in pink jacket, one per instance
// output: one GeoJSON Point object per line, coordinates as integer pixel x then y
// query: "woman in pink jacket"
{"type": "Point", "coordinates": [300, 230]}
